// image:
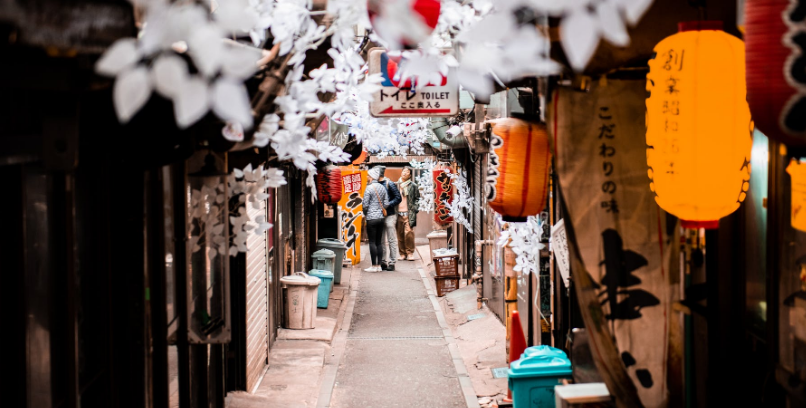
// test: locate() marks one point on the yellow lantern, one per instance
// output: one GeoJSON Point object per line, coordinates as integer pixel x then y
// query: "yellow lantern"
{"type": "Point", "coordinates": [797, 173]}
{"type": "Point", "coordinates": [699, 131]}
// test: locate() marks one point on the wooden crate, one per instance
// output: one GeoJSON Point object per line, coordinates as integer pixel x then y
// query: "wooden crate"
{"type": "Point", "coordinates": [446, 284]}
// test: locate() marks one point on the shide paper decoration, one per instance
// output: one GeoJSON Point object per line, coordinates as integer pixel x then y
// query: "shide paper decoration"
{"type": "Point", "coordinates": [517, 175]}
{"type": "Point", "coordinates": [776, 68]}
{"type": "Point", "coordinates": [328, 185]}
{"type": "Point", "coordinates": [443, 195]}
{"type": "Point", "coordinates": [699, 132]}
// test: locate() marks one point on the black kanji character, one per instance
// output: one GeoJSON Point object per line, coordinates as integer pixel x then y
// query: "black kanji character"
{"type": "Point", "coordinates": [620, 264]}
{"type": "Point", "coordinates": [606, 131]}
{"type": "Point", "coordinates": [607, 151]}
{"type": "Point", "coordinates": [607, 167]}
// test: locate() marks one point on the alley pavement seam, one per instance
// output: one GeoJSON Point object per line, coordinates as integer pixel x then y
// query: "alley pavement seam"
{"type": "Point", "coordinates": [459, 364]}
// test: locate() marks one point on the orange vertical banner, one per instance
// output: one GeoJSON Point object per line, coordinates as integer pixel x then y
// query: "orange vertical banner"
{"type": "Point", "coordinates": [353, 183]}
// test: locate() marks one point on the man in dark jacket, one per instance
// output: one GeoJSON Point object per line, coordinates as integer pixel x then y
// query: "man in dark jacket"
{"type": "Point", "coordinates": [390, 252]}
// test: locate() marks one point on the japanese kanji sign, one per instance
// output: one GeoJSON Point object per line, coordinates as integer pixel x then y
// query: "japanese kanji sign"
{"type": "Point", "coordinates": [559, 246]}
{"type": "Point", "coordinates": [402, 98]}
{"type": "Point", "coordinates": [351, 206]}
{"type": "Point", "coordinates": [619, 229]}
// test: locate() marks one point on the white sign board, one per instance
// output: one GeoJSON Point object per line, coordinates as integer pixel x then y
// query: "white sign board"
{"type": "Point", "coordinates": [399, 99]}
{"type": "Point", "coordinates": [559, 245]}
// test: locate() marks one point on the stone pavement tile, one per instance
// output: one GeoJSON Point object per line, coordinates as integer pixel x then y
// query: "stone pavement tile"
{"type": "Point", "coordinates": [481, 342]}
{"type": "Point", "coordinates": [323, 331]}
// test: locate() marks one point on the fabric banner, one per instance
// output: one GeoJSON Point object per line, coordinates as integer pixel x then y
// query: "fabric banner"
{"type": "Point", "coordinates": [620, 230]}
{"type": "Point", "coordinates": [351, 207]}
{"type": "Point", "coordinates": [443, 195]}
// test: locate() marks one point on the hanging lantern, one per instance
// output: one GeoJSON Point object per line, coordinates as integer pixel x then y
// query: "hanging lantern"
{"type": "Point", "coordinates": [776, 69]}
{"type": "Point", "coordinates": [698, 124]}
{"type": "Point", "coordinates": [797, 173]}
{"type": "Point", "coordinates": [328, 184]}
{"type": "Point", "coordinates": [517, 174]}
{"type": "Point", "coordinates": [420, 17]}
{"type": "Point", "coordinates": [443, 195]}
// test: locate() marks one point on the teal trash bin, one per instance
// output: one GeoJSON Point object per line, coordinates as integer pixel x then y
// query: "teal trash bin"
{"type": "Point", "coordinates": [338, 247]}
{"type": "Point", "coordinates": [533, 377]}
{"type": "Point", "coordinates": [324, 288]}
{"type": "Point", "coordinates": [323, 260]}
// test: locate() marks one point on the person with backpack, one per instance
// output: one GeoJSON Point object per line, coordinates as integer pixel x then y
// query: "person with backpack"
{"type": "Point", "coordinates": [390, 229]}
{"type": "Point", "coordinates": [375, 202]}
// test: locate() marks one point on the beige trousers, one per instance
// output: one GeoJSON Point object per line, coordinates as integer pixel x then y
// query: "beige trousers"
{"type": "Point", "coordinates": [405, 236]}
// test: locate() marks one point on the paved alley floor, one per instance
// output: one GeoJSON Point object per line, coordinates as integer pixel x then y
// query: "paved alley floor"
{"type": "Point", "coordinates": [396, 354]}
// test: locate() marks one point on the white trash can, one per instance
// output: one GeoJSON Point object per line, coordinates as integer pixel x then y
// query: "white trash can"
{"type": "Point", "coordinates": [300, 290]}
{"type": "Point", "coordinates": [437, 240]}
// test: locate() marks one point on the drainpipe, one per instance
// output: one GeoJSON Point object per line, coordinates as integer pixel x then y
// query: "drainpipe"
{"type": "Point", "coordinates": [479, 274]}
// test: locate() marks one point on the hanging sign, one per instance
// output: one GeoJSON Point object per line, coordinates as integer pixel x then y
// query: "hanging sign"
{"type": "Point", "coordinates": [398, 98]}
{"type": "Point", "coordinates": [619, 229]}
{"type": "Point", "coordinates": [351, 208]}
{"type": "Point", "coordinates": [443, 194]}
{"type": "Point", "coordinates": [559, 245]}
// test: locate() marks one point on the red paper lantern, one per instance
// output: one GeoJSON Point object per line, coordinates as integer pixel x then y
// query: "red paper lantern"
{"type": "Point", "coordinates": [518, 171]}
{"type": "Point", "coordinates": [328, 185]}
{"type": "Point", "coordinates": [443, 195]}
{"type": "Point", "coordinates": [776, 69]}
{"type": "Point", "coordinates": [426, 11]}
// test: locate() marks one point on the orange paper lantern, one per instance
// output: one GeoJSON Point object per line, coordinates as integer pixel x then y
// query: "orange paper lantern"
{"type": "Point", "coordinates": [699, 132]}
{"type": "Point", "coordinates": [517, 175]}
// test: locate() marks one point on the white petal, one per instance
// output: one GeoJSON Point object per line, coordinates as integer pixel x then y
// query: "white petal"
{"type": "Point", "coordinates": [580, 35]}
{"type": "Point", "coordinates": [611, 26]}
{"type": "Point", "coordinates": [231, 102]}
{"type": "Point", "coordinates": [169, 73]}
{"type": "Point", "coordinates": [120, 56]}
{"type": "Point", "coordinates": [233, 131]}
{"type": "Point", "coordinates": [475, 82]}
{"type": "Point", "coordinates": [206, 48]}
{"type": "Point", "coordinates": [191, 102]}
{"type": "Point", "coordinates": [240, 62]}
{"type": "Point", "coordinates": [132, 89]}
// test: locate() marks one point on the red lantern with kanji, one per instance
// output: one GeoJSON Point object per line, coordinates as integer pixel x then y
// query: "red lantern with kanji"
{"type": "Point", "coordinates": [517, 175]}
{"type": "Point", "coordinates": [421, 17]}
{"type": "Point", "coordinates": [328, 185]}
{"type": "Point", "coordinates": [443, 195]}
{"type": "Point", "coordinates": [775, 64]}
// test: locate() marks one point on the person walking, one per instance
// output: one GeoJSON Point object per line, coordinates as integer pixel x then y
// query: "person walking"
{"type": "Point", "coordinates": [390, 230]}
{"type": "Point", "coordinates": [407, 214]}
{"type": "Point", "coordinates": [375, 202]}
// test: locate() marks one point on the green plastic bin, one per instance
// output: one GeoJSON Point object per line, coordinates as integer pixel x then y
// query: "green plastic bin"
{"type": "Point", "coordinates": [338, 247]}
{"type": "Point", "coordinates": [533, 377]}
{"type": "Point", "coordinates": [323, 260]}
{"type": "Point", "coordinates": [323, 294]}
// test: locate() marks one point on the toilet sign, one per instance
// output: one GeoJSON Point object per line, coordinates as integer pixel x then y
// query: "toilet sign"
{"type": "Point", "coordinates": [398, 98]}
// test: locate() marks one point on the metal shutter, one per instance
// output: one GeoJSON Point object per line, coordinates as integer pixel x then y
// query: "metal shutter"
{"type": "Point", "coordinates": [256, 304]}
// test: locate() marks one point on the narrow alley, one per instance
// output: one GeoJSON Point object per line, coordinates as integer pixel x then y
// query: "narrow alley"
{"type": "Point", "coordinates": [396, 353]}
{"type": "Point", "coordinates": [403, 203]}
